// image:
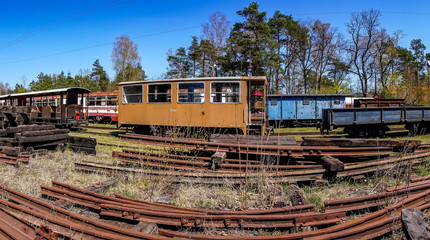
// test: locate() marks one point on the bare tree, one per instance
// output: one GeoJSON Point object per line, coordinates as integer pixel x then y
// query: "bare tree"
{"type": "Point", "coordinates": [304, 57]}
{"type": "Point", "coordinates": [385, 54]}
{"type": "Point", "coordinates": [126, 61]}
{"type": "Point", "coordinates": [338, 68]}
{"type": "Point", "coordinates": [217, 31]}
{"type": "Point", "coordinates": [323, 49]}
{"type": "Point", "coordinates": [363, 30]}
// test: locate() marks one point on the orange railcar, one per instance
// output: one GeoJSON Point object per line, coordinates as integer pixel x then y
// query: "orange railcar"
{"type": "Point", "coordinates": [233, 104]}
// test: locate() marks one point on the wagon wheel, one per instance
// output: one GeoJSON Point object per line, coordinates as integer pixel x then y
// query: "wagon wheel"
{"type": "Point", "coordinates": [108, 120]}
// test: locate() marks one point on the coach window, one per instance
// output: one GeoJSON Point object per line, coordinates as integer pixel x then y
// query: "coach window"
{"type": "Point", "coordinates": [191, 92]}
{"type": "Point", "coordinates": [112, 101]}
{"type": "Point", "coordinates": [91, 102]}
{"type": "Point", "coordinates": [337, 101]}
{"type": "Point", "coordinates": [160, 93]}
{"type": "Point", "coordinates": [306, 101]}
{"type": "Point", "coordinates": [225, 92]}
{"type": "Point", "coordinates": [132, 94]}
{"type": "Point", "coordinates": [274, 102]}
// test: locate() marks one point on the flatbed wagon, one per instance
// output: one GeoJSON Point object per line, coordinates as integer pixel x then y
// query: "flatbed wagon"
{"type": "Point", "coordinates": [374, 122]}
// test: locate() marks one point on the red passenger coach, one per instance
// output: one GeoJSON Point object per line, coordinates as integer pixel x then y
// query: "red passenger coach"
{"type": "Point", "coordinates": [102, 107]}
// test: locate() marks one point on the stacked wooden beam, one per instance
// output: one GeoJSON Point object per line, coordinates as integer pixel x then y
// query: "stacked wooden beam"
{"type": "Point", "coordinates": [82, 144]}
{"type": "Point", "coordinates": [17, 144]}
{"type": "Point", "coordinates": [13, 155]}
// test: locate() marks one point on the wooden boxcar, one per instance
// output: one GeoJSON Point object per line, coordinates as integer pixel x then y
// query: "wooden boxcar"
{"type": "Point", "coordinates": [61, 107]}
{"type": "Point", "coordinates": [102, 107]}
{"type": "Point", "coordinates": [301, 109]}
{"type": "Point", "coordinates": [230, 104]}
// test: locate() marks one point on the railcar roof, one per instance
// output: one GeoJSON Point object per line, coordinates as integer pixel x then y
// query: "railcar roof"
{"type": "Point", "coordinates": [256, 78]}
{"type": "Point", "coordinates": [311, 95]}
{"type": "Point", "coordinates": [47, 92]}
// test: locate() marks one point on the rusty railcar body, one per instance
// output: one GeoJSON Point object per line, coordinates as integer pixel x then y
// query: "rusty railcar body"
{"type": "Point", "coordinates": [228, 104]}
{"type": "Point", "coordinates": [61, 107]}
{"type": "Point", "coordinates": [377, 102]}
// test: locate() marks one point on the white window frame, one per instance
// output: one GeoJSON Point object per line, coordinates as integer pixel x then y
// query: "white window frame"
{"type": "Point", "coordinates": [240, 92]}
{"type": "Point", "coordinates": [177, 93]}
{"type": "Point", "coordinates": [123, 93]}
{"type": "Point", "coordinates": [147, 93]}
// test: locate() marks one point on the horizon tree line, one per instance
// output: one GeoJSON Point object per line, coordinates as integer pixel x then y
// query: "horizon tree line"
{"type": "Point", "coordinates": [296, 56]}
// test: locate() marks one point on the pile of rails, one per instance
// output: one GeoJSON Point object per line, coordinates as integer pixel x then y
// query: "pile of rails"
{"type": "Point", "coordinates": [236, 158]}
{"type": "Point", "coordinates": [255, 147]}
{"type": "Point", "coordinates": [330, 224]}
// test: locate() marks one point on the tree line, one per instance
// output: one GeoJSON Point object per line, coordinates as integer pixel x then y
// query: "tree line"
{"type": "Point", "coordinates": [125, 61]}
{"type": "Point", "coordinates": [308, 56]}
{"type": "Point", "coordinates": [296, 56]}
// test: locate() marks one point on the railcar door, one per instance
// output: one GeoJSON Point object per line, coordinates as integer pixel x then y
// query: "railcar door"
{"type": "Point", "coordinates": [257, 107]}
{"type": "Point", "coordinates": [306, 108]}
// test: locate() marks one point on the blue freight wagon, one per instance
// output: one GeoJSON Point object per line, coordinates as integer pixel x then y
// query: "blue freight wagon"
{"type": "Point", "coordinates": [373, 122]}
{"type": "Point", "coordinates": [301, 109]}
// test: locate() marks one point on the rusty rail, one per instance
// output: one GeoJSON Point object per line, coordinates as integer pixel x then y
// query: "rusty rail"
{"type": "Point", "coordinates": [271, 150]}
{"type": "Point", "coordinates": [189, 217]}
{"type": "Point", "coordinates": [12, 227]}
{"type": "Point", "coordinates": [62, 221]}
{"type": "Point", "coordinates": [14, 160]}
{"type": "Point", "coordinates": [300, 175]}
{"type": "Point", "coordinates": [175, 162]}
{"type": "Point", "coordinates": [370, 226]}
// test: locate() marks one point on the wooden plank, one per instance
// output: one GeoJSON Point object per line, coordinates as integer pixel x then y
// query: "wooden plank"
{"type": "Point", "coordinates": [82, 141]}
{"type": "Point", "coordinates": [253, 139]}
{"type": "Point", "coordinates": [22, 128]}
{"type": "Point", "coordinates": [85, 150]}
{"type": "Point", "coordinates": [42, 138]}
{"type": "Point", "coordinates": [359, 142]}
{"type": "Point", "coordinates": [332, 164]}
{"type": "Point", "coordinates": [41, 133]}
{"type": "Point", "coordinates": [11, 151]}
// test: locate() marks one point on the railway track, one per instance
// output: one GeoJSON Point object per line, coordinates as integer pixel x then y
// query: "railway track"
{"type": "Point", "coordinates": [187, 217]}
{"type": "Point", "coordinates": [268, 150]}
{"type": "Point", "coordinates": [61, 221]}
{"type": "Point", "coordinates": [190, 174]}
{"type": "Point", "coordinates": [297, 133]}
{"type": "Point", "coordinates": [373, 225]}
{"type": "Point", "coordinates": [65, 223]}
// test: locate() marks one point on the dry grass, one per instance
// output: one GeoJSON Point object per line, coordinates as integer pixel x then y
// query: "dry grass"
{"type": "Point", "coordinates": [57, 166]}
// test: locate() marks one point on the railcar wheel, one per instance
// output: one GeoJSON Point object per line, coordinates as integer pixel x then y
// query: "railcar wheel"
{"type": "Point", "coordinates": [108, 120]}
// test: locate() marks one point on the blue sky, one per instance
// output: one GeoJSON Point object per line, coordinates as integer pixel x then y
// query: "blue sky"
{"type": "Point", "coordinates": [35, 37]}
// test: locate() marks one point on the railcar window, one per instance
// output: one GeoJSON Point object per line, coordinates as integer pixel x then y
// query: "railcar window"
{"type": "Point", "coordinates": [337, 101]}
{"type": "Point", "coordinates": [91, 102]}
{"type": "Point", "coordinates": [103, 101]}
{"type": "Point", "coordinates": [274, 102]}
{"type": "Point", "coordinates": [225, 92]}
{"type": "Point", "coordinates": [132, 94]}
{"type": "Point", "coordinates": [160, 93]}
{"type": "Point", "coordinates": [191, 92]}
{"type": "Point", "coordinates": [306, 101]}
{"type": "Point", "coordinates": [112, 101]}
